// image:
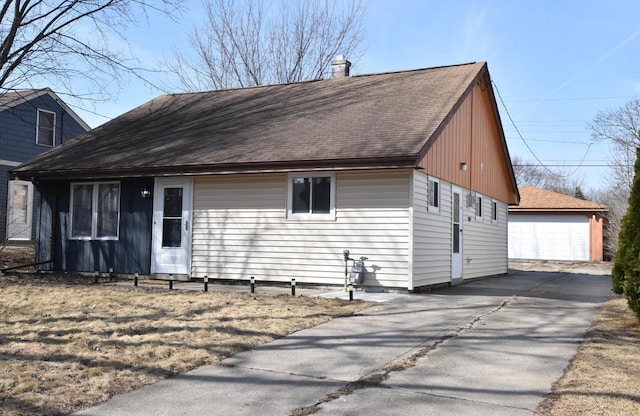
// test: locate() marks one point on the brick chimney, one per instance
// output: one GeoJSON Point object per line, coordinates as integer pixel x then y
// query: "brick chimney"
{"type": "Point", "coordinates": [340, 67]}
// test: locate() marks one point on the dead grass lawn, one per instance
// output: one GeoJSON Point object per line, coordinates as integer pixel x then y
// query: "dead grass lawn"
{"type": "Point", "coordinates": [66, 346]}
{"type": "Point", "coordinates": [604, 376]}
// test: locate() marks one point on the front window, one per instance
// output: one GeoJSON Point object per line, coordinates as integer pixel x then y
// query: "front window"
{"type": "Point", "coordinates": [311, 196]}
{"type": "Point", "coordinates": [45, 132]}
{"type": "Point", "coordinates": [95, 210]}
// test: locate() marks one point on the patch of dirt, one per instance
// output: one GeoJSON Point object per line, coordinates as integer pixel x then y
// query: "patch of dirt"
{"type": "Point", "coordinates": [67, 343]}
{"type": "Point", "coordinates": [577, 267]}
{"type": "Point", "coordinates": [604, 375]}
{"type": "Point", "coordinates": [16, 256]}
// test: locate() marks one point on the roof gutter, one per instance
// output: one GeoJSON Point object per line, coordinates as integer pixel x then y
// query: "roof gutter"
{"type": "Point", "coordinates": [396, 162]}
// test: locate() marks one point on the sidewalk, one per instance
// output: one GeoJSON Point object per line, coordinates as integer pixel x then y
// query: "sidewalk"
{"type": "Point", "coordinates": [490, 347]}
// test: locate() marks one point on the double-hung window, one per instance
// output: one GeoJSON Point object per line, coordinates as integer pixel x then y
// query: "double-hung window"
{"type": "Point", "coordinates": [311, 196]}
{"type": "Point", "coordinates": [95, 210]}
{"type": "Point", "coordinates": [433, 195]}
{"type": "Point", "coordinates": [46, 129]}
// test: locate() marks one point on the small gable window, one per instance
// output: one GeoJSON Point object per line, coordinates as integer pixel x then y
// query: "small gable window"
{"type": "Point", "coordinates": [45, 132]}
{"type": "Point", "coordinates": [311, 196]}
{"type": "Point", "coordinates": [433, 195]}
{"type": "Point", "coordinates": [95, 210]}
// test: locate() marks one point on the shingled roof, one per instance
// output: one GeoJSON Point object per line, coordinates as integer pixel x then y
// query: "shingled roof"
{"type": "Point", "coordinates": [536, 199]}
{"type": "Point", "coordinates": [381, 120]}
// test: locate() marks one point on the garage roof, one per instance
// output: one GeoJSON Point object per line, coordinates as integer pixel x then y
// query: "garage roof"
{"type": "Point", "coordinates": [536, 199]}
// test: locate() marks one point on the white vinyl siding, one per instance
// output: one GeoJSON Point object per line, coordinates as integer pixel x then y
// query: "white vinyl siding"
{"type": "Point", "coordinates": [240, 230]}
{"type": "Point", "coordinates": [431, 234]}
{"type": "Point", "coordinates": [485, 241]}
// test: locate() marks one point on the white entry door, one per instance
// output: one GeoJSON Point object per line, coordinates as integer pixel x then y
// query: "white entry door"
{"type": "Point", "coordinates": [456, 234]}
{"type": "Point", "coordinates": [172, 201]}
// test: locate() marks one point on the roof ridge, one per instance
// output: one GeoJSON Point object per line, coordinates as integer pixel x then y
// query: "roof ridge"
{"type": "Point", "coordinates": [253, 87]}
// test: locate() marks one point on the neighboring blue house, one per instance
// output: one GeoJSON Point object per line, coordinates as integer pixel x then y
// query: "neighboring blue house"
{"type": "Point", "coordinates": [31, 122]}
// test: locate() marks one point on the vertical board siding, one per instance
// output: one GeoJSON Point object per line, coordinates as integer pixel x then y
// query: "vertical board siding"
{"type": "Point", "coordinates": [240, 230]}
{"type": "Point", "coordinates": [473, 135]}
{"type": "Point", "coordinates": [432, 235]}
{"type": "Point", "coordinates": [596, 249]}
{"type": "Point", "coordinates": [485, 243]}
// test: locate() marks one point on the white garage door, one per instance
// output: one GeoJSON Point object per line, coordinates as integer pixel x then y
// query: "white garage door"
{"type": "Point", "coordinates": [549, 237]}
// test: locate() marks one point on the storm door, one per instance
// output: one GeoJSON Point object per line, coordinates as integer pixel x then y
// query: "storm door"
{"type": "Point", "coordinates": [172, 200]}
{"type": "Point", "coordinates": [456, 234]}
{"type": "Point", "coordinates": [19, 212]}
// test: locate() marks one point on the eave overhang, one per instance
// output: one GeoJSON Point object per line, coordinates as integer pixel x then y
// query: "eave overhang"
{"type": "Point", "coordinates": [399, 162]}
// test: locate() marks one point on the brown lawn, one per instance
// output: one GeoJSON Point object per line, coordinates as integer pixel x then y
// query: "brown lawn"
{"type": "Point", "coordinates": [67, 343]}
{"type": "Point", "coordinates": [604, 376]}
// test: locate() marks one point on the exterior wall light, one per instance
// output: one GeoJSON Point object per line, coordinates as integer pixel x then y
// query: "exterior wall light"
{"type": "Point", "coordinates": [145, 193]}
{"type": "Point", "coordinates": [463, 166]}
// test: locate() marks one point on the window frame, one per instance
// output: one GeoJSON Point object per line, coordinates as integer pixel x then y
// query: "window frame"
{"type": "Point", "coordinates": [53, 128]}
{"type": "Point", "coordinates": [494, 211]}
{"type": "Point", "coordinates": [431, 207]}
{"type": "Point", "coordinates": [330, 216]}
{"type": "Point", "coordinates": [94, 211]}
{"type": "Point", "coordinates": [478, 207]}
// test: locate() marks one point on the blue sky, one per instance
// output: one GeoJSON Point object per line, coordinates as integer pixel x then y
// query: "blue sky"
{"type": "Point", "coordinates": [556, 64]}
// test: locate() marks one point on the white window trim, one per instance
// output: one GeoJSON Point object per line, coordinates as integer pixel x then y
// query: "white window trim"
{"type": "Point", "coordinates": [53, 144]}
{"type": "Point", "coordinates": [430, 207]}
{"type": "Point", "coordinates": [494, 212]}
{"type": "Point", "coordinates": [479, 203]}
{"type": "Point", "coordinates": [94, 212]}
{"type": "Point", "coordinates": [331, 216]}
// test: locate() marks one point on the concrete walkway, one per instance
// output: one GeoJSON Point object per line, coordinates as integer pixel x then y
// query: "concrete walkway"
{"type": "Point", "coordinates": [490, 347]}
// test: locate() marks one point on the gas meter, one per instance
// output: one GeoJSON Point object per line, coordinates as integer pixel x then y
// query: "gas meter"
{"type": "Point", "coordinates": [357, 271]}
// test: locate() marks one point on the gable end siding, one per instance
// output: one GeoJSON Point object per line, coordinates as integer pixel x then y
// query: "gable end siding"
{"type": "Point", "coordinates": [240, 230]}
{"type": "Point", "coordinates": [473, 136]}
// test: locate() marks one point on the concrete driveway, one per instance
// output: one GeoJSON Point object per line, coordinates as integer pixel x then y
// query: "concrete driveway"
{"type": "Point", "coordinates": [490, 347]}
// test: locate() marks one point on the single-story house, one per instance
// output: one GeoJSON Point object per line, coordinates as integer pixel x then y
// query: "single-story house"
{"type": "Point", "coordinates": [276, 181]}
{"type": "Point", "coordinates": [551, 226]}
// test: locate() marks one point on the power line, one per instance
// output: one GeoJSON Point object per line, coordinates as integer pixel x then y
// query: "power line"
{"type": "Point", "coordinates": [518, 131]}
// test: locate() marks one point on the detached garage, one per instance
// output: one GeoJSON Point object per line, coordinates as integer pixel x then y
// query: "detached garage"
{"type": "Point", "coordinates": [550, 226]}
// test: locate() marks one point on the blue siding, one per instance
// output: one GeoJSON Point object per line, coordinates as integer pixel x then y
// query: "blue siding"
{"type": "Point", "coordinates": [18, 139]}
{"type": "Point", "coordinates": [4, 192]}
{"type": "Point", "coordinates": [130, 254]}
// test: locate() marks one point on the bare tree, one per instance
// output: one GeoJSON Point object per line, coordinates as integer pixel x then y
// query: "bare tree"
{"type": "Point", "coordinates": [621, 128]}
{"type": "Point", "coordinates": [245, 43]}
{"type": "Point", "coordinates": [68, 40]}
{"type": "Point", "coordinates": [556, 180]}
